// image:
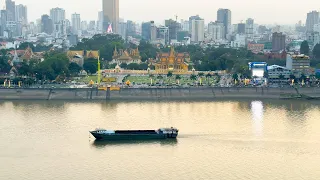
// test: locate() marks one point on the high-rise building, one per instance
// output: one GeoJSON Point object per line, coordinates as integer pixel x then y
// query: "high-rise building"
{"type": "Point", "coordinates": [312, 19]}
{"type": "Point", "coordinates": [92, 25]}
{"type": "Point", "coordinates": [197, 30]}
{"type": "Point", "coordinates": [57, 15]}
{"type": "Point", "coordinates": [153, 30]}
{"type": "Point", "coordinates": [185, 25]}
{"type": "Point", "coordinates": [110, 14]}
{"type": "Point", "coordinates": [131, 28]}
{"type": "Point", "coordinates": [173, 27]}
{"type": "Point", "coordinates": [163, 35]}
{"type": "Point", "coordinates": [249, 28]}
{"type": "Point", "coordinates": [21, 14]}
{"type": "Point", "coordinates": [216, 30]}
{"type": "Point", "coordinates": [100, 21]}
{"type": "Point", "coordinates": [11, 26]}
{"type": "Point", "coordinates": [278, 42]}
{"type": "Point", "coordinates": [11, 10]}
{"type": "Point", "coordinates": [197, 17]}
{"type": "Point", "coordinates": [84, 25]}
{"type": "Point", "coordinates": [224, 16]}
{"type": "Point", "coordinates": [46, 24]}
{"type": "Point", "coordinates": [123, 29]}
{"type": "Point", "coordinates": [241, 28]}
{"type": "Point", "coordinates": [75, 23]}
{"type": "Point", "coordinates": [313, 38]}
{"type": "Point", "coordinates": [3, 21]}
{"type": "Point", "coordinates": [146, 31]}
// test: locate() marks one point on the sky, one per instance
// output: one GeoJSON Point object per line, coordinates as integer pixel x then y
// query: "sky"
{"type": "Point", "coordinates": [264, 12]}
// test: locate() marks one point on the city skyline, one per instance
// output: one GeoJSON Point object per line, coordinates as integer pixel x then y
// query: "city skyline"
{"type": "Point", "coordinates": [206, 9]}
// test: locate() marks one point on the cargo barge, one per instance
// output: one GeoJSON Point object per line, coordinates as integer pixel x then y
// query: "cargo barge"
{"type": "Point", "coordinates": [162, 133]}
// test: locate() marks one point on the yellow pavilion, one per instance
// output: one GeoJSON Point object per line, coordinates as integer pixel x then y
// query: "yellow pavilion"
{"type": "Point", "coordinates": [172, 61]}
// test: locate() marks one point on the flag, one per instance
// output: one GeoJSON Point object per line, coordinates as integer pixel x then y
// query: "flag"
{"type": "Point", "coordinates": [109, 30]}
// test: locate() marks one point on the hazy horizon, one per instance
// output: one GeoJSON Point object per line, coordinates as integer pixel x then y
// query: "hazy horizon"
{"type": "Point", "coordinates": [285, 12]}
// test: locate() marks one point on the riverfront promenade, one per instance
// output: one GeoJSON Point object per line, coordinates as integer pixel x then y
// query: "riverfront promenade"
{"type": "Point", "coordinates": [193, 93]}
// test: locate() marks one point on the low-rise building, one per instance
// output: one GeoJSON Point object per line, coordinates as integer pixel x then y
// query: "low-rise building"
{"type": "Point", "coordinates": [275, 72]}
{"type": "Point", "coordinates": [255, 48]}
{"type": "Point", "coordinates": [299, 64]}
{"type": "Point", "coordinates": [126, 56]}
{"type": "Point", "coordinates": [80, 56]}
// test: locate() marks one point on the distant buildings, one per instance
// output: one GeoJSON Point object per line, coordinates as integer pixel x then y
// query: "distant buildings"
{"type": "Point", "coordinates": [313, 38]}
{"type": "Point", "coordinates": [312, 19]}
{"type": "Point", "coordinates": [153, 33]}
{"type": "Point", "coordinates": [46, 24]}
{"type": "Point", "coordinates": [224, 16]}
{"type": "Point", "coordinates": [241, 28]}
{"type": "Point", "coordinates": [3, 21]}
{"type": "Point", "coordinates": [275, 71]}
{"type": "Point", "coordinates": [278, 42]}
{"type": "Point", "coordinates": [299, 64]}
{"type": "Point", "coordinates": [255, 48]}
{"type": "Point", "coordinates": [250, 28]}
{"type": "Point", "coordinates": [146, 31]}
{"type": "Point", "coordinates": [75, 23]}
{"type": "Point", "coordinates": [197, 29]}
{"type": "Point", "coordinates": [110, 10]}
{"type": "Point", "coordinates": [173, 27]}
{"type": "Point", "coordinates": [21, 14]}
{"type": "Point", "coordinates": [58, 18]}
{"type": "Point", "coordinates": [123, 30]}
{"type": "Point", "coordinates": [216, 31]}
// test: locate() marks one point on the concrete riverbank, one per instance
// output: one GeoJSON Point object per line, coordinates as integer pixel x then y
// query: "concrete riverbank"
{"type": "Point", "coordinates": [194, 93]}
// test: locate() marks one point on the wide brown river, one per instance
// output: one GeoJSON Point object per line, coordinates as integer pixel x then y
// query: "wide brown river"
{"type": "Point", "coordinates": [218, 140]}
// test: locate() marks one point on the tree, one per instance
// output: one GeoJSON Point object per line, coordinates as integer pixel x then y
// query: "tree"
{"type": "Point", "coordinates": [124, 65]}
{"type": "Point", "coordinates": [235, 77]}
{"type": "Point", "coordinates": [281, 77]}
{"type": "Point", "coordinates": [303, 77]}
{"type": "Point", "coordinates": [133, 66]}
{"type": "Point", "coordinates": [304, 48]}
{"type": "Point", "coordinates": [169, 75]}
{"type": "Point", "coordinates": [193, 77]}
{"type": "Point", "coordinates": [24, 69]}
{"type": "Point", "coordinates": [292, 76]}
{"type": "Point", "coordinates": [91, 66]}
{"type": "Point", "coordinates": [316, 51]}
{"type": "Point", "coordinates": [74, 68]}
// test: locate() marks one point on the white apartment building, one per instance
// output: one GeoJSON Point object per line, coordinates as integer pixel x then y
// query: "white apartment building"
{"type": "Point", "coordinates": [197, 30]}
{"type": "Point", "coordinates": [216, 31]}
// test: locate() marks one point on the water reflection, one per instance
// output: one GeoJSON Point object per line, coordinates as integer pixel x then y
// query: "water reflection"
{"type": "Point", "coordinates": [102, 144]}
{"type": "Point", "coordinates": [257, 117]}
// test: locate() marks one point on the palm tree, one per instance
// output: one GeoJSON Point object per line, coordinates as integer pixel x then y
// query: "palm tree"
{"type": "Point", "coordinates": [235, 77]}
{"type": "Point", "coordinates": [169, 75]}
{"type": "Point", "coordinates": [178, 77]}
{"type": "Point", "coordinates": [193, 77]}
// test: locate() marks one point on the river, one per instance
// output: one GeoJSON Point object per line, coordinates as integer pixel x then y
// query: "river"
{"type": "Point", "coordinates": [237, 140]}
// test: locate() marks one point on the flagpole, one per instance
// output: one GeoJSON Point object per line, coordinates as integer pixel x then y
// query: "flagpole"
{"type": "Point", "coordinates": [98, 70]}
